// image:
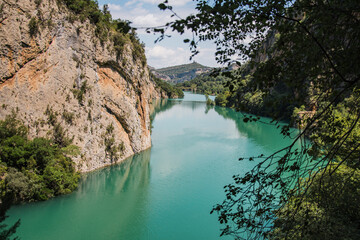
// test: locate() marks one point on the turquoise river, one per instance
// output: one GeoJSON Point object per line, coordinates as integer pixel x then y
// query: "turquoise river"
{"type": "Point", "coordinates": [165, 192]}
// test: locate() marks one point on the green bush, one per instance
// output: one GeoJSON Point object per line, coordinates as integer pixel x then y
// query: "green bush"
{"type": "Point", "coordinates": [35, 169]}
{"type": "Point", "coordinates": [205, 84]}
{"type": "Point", "coordinates": [170, 90]}
{"type": "Point", "coordinates": [209, 101]}
{"type": "Point", "coordinates": [68, 117]}
{"type": "Point", "coordinates": [38, 3]}
{"type": "Point", "coordinates": [221, 99]}
{"type": "Point", "coordinates": [59, 133]}
{"type": "Point", "coordinates": [80, 93]}
{"type": "Point", "coordinates": [33, 26]}
{"type": "Point", "coordinates": [119, 41]}
{"type": "Point", "coordinates": [112, 150]}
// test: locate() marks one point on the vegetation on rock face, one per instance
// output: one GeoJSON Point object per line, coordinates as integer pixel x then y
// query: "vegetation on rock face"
{"type": "Point", "coordinates": [33, 26]}
{"type": "Point", "coordinates": [33, 170]}
{"type": "Point", "coordinates": [79, 93]}
{"type": "Point", "coordinates": [117, 31]}
{"type": "Point", "coordinates": [170, 90]}
{"type": "Point", "coordinates": [111, 150]}
{"type": "Point", "coordinates": [301, 53]}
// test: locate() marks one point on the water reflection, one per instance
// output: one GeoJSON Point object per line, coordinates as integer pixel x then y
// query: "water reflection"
{"type": "Point", "coordinates": [263, 134]}
{"type": "Point", "coordinates": [194, 105]}
{"type": "Point", "coordinates": [109, 204]}
{"type": "Point", "coordinates": [120, 177]}
{"type": "Point", "coordinates": [161, 105]}
{"type": "Point", "coordinates": [190, 100]}
{"type": "Point", "coordinates": [208, 108]}
{"type": "Point", "coordinates": [194, 154]}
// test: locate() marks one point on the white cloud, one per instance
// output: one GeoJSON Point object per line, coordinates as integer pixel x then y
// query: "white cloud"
{"type": "Point", "coordinates": [116, 11]}
{"type": "Point", "coordinates": [131, 2]}
{"type": "Point", "coordinates": [151, 1]}
{"type": "Point", "coordinates": [160, 52]}
{"type": "Point", "coordinates": [178, 2]}
{"type": "Point", "coordinates": [114, 7]}
{"type": "Point", "coordinates": [156, 2]}
{"type": "Point", "coordinates": [146, 20]}
{"type": "Point", "coordinates": [139, 16]}
{"type": "Point", "coordinates": [159, 56]}
{"type": "Point", "coordinates": [169, 52]}
{"type": "Point", "coordinates": [206, 55]}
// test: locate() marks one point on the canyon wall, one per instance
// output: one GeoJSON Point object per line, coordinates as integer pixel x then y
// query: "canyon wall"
{"type": "Point", "coordinates": [64, 82]}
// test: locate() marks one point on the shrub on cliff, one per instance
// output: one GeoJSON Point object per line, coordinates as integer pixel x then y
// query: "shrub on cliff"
{"type": "Point", "coordinates": [35, 169]}
{"type": "Point", "coordinates": [117, 31]}
{"type": "Point", "coordinates": [170, 90]}
{"type": "Point", "coordinates": [33, 26]}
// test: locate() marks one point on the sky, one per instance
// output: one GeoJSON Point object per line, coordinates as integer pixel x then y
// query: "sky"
{"type": "Point", "coordinates": [170, 51]}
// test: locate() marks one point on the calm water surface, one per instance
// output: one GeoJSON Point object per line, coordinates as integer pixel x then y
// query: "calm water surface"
{"type": "Point", "coordinates": [166, 192]}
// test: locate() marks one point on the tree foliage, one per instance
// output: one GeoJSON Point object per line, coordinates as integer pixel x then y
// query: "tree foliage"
{"type": "Point", "coordinates": [206, 84]}
{"type": "Point", "coordinates": [169, 90]}
{"type": "Point", "coordinates": [307, 52]}
{"type": "Point", "coordinates": [35, 169]}
{"type": "Point", "coordinates": [112, 151]}
{"type": "Point", "coordinates": [328, 211]}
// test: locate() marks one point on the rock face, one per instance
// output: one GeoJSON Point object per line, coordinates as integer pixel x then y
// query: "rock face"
{"type": "Point", "coordinates": [63, 82]}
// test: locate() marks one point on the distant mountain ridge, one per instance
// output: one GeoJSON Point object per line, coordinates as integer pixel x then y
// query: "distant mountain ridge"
{"type": "Point", "coordinates": [181, 73]}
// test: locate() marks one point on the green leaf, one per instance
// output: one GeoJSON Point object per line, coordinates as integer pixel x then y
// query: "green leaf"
{"type": "Point", "coordinates": [162, 6]}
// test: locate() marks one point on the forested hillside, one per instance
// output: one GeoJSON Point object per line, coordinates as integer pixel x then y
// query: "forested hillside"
{"type": "Point", "coordinates": [206, 84]}
{"type": "Point", "coordinates": [181, 73]}
{"type": "Point", "coordinates": [166, 89]}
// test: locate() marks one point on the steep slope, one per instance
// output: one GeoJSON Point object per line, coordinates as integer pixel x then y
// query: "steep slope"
{"type": "Point", "coordinates": [181, 73]}
{"type": "Point", "coordinates": [64, 81]}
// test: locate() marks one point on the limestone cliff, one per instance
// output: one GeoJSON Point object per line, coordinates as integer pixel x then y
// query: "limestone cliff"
{"type": "Point", "coordinates": [57, 74]}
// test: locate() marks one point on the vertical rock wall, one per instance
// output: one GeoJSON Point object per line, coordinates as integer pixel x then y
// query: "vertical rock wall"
{"type": "Point", "coordinates": [64, 71]}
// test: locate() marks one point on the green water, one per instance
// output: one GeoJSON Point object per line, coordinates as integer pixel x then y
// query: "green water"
{"type": "Point", "coordinates": [166, 192]}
